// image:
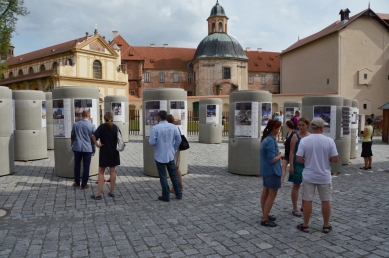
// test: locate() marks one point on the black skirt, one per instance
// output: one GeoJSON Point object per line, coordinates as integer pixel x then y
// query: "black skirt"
{"type": "Point", "coordinates": [109, 156]}
{"type": "Point", "coordinates": [366, 150]}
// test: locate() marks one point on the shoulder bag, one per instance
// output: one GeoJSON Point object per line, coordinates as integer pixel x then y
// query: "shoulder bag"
{"type": "Point", "coordinates": [120, 143]}
{"type": "Point", "coordinates": [184, 145]}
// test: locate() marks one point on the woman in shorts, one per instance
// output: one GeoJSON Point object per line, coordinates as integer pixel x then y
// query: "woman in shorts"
{"type": "Point", "coordinates": [296, 168]}
{"type": "Point", "coordinates": [270, 169]}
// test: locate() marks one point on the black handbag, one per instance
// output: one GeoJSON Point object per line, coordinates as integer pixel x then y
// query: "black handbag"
{"type": "Point", "coordinates": [184, 145]}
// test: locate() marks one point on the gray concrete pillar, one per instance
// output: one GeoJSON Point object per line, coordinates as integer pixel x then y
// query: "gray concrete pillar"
{"type": "Point", "coordinates": [290, 107]}
{"type": "Point", "coordinates": [249, 112]}
{"type": "Point", "coordinates": [118, 105]}
{"type": "Point", "coordinates": [330, 109]}
{"type": "Point", "coordinates": [346, 131]}
{"type": "Point", "coordinates": [174, 101]}
{"type": "Point", "coordinates": [68, 104]}
{"type": "Point", "coordinates": [210, 120]}
{"type": "Point", "coordinates": [49, 120]}
{"type": "Point", "coordinates": [354, 128]}
{"type": "Point", "coordinates": [7, 113]}
{"type": "Point", "coordinates": [30, 127]}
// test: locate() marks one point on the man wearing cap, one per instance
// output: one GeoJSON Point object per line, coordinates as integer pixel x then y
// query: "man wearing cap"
{"type": "Point", "coordinates": [316, 152]}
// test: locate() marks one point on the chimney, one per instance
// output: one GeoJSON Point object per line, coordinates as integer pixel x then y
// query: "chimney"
{"type": "Point", "coordinates": [247, 49]}
{"type": "Point", "coordinates": [165, 45]}
{"type": "Point", "coordinates": [344, 16]}
{"type": "Point", "coordinates": [115, 33]}
{"type": "Point", "coordinates": [152, 45]}
{"type": "Point", "coordinates": [259, 49]}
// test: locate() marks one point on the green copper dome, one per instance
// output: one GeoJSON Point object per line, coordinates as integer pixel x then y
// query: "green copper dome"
{"type": "Point", "coordinates": [217, 10]}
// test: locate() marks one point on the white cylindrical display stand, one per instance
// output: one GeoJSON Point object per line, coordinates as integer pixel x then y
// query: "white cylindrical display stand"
{"type": "Point", "coordinates": [68, 104]}
{"type": "Point", "coordinates": [30, 126]}
{"type": "Point", "coordinates": [210, 121]}
{"type": "Point", "coordinates": [346, 131]}
{"type": "Point", "coordinates": [6, 131]}
{"type": "Point", "coordinates": [174, 101]}
{"type": "Point", "coordinates": [250, 111]}
{"type": "Point", "coordinates": [118, 105]}
{"type": "Point", "coordinates": [329, 108]}
{"type": "Point", "coordinates": [354, 128]}
{"type": "Point", "coordinates": [49, 120]}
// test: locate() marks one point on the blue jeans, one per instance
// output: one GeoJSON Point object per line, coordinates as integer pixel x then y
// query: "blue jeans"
{"type": "Point", "coordinates": [171, 168]}
{"type": "Point", "coordinates": [86, 158]}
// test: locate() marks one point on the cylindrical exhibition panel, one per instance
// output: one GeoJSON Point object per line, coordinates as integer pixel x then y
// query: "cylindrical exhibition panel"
{"type": "Point", "coordinates": [290, 107]}
{"type": "Point", "coordinates": [354, 128]}
{"type": "Point", "coordinates": [68, 104]}
{"type": "Point", "coordinates": [49, 120]}
{"type": "Point", "coordinates": [6, 131]}
{"type": "Point", "coordinates": [174, 101]}
{"type": "Point", "coordinates": [346, 131]}
{"type": "Point", "coordinates": [210, 121]}
{"type": "Point", "coordinates": [250, 110]}
{"type": "Point", "coordinates": [30, 125]}
{"type": "Point", "coordinates": [329, 108]}
{"type": "Point", "coordinates": [118, 105]}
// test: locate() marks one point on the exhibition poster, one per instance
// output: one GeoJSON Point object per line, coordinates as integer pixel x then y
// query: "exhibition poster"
{"type": "Point", "coordinates": [13, 116]}
{"type": "Point", "coordinates": [328, 114]}
{"type": "Point", "coordinates": [289, 113]}
{"type": "Point", "coordinates": [246, 119]}
{"type": "Point", "coordinates": [266, 114]}
{"type": "Point", "coordinates": [117, 109]}
{"type": "Point", "coordinates": [212, 114]}
{"type": "Point", "coordinates": [354, 118]}
{"type": "Point", "coordinates": [346, 121]}
{"type": "Point", "coordinates": [151, 114]}
{"type": "Point", "coordinates": [44, 120]}
{"type": "Point", "coordinates": [178, 111]}
{"type": "Point", "coordinates": [62, 124]}
{"type": "Point", "coordinates": [86, 104]}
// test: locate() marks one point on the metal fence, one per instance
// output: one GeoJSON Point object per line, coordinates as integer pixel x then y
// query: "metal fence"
{"type": "Point", "coordinates": [134, 122]}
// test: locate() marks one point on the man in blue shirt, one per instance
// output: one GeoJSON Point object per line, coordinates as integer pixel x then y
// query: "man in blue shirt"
{"type": "Point", "coordinates": [83, 148]}
{"type": "Point", "coordinates": [166, 139]}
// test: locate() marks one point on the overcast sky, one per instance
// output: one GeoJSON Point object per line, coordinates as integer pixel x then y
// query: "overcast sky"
{"type": "Point", "coordinates": [272, 25]}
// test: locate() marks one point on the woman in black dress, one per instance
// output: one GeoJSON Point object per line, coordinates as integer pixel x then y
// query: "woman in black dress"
{"type": "Point", "coordinates": [109, 156]}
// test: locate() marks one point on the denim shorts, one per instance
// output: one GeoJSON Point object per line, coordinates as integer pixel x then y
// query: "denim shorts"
{"type": "Point", "coordinates": [272, 182]}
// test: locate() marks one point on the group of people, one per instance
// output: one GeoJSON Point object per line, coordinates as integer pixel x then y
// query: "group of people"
{"type": "Point", "coordinates": [165, 136]}
{"type": "Point", "coordinates": [309, 156]}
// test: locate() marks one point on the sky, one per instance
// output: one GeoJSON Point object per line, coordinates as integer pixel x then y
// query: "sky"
{"type": "Point", "coordinates": [272, 25]}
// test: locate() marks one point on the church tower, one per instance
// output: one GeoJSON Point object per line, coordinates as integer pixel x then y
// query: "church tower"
{"type": "Point", "coordinates": [217, 21]}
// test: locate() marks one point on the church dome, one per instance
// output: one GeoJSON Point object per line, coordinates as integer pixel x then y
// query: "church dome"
{"type": "Point", "coordinates": [217, 10]}
{"type": "Point", "coordinates": [219, 45]}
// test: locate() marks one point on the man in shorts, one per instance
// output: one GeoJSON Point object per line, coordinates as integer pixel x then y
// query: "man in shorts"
{"type": "Point", "coordinates": [316, 152]}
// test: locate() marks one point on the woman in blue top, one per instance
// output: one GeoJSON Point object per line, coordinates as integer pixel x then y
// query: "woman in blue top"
{"type": "Point", "coordinates": [270, 169]}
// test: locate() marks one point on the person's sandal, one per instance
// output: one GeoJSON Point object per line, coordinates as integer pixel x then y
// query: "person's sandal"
{"type": "Point", "coordinates": [297, 213]}
{"type": "Point", "coordinates": [96, 197]}
{"type": "Point", "coordinates": [268, 223]}
{"type": "Point", "coordinates": [271, 218]}
{"type": "Point", "coordinates": [302, 228]}
{"type": "Point", "coordinates": [327, 230]}
{"type": "Point", "coordinates": [364, 168]}
{"type": "Point", "coordinates": [111, 195]}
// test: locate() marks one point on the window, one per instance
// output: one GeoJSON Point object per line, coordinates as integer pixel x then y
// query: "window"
{"type": "Point", "coordinates": [365, 76]}
{"type": "Point", "coordinates": [213, 27]}
{"type": "Point", "coordinates": [147, 77]}
{"type": "Point", "coordinates": [189, 77]}
{"type": "Point", "coordinates": [220, 27]}
{"type": "Point", "coordinates": [161, 77]}
{"type": "Point", "coordinates": [189, 93]}
{"type": "Point", "coordinates": [20, 73]}
{"type": "Point", "coordinates": [31, 70]}
{"type": "Point", "coordinates": [55, 65]}
{"type": "Point", "coordinates": [11, 74]}
{"type": "Point", "coordinates": [175, 77]}
{"type": "Point", "coordinates": [70, 62]}
{"type": "Point", "coordinates": [226, 73]}
{"type": "Point", "coordinates": [251, 79]}
{"type": "Point", "coordinates": [263, 79]}
{"type": "Point", "coordinates": [43, 68]}
{"type": "Point", "coordinates": [97, 70]}
{"type": "Point", "coordinates": [275, 79]}
{"type": "Point", "coordinates": [132, 92]}
{"type": "Point", "coordinates": [364, 106]}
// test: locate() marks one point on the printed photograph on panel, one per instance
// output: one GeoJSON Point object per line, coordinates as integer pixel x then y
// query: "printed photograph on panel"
{"type": "Point", "coordinates": [289, 113]}
{"type": "Point", "coordinates": [58, 118]}
{"type": "Point", "coordinates": [79, 106]}
{"type": "Point", "coordinates": [324, 112]}
{"type": "Point", "coordinates": [212, 115]}
{"type": "Point", "coordinates": [152, 109]}
{"type": "Point", "coordinates": [44, 123]}
{"type": "Point", "coordinates": [266, 113]}
{"type": "Point", "coordinates": [116, 108]}
{"type": "Point", "coordinates": [243, 113]}
{"type": "Point", "coordinates": [177, 110]}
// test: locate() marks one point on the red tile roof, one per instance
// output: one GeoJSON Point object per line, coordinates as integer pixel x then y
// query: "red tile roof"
{"type": "Point", "coordinates": [263, 61]}
{"type": "Point", "coordinates": [26, 77]}
{"type": "Point", "coordinates": [335, 27]}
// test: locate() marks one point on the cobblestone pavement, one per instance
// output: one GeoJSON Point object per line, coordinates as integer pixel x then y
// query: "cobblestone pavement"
{"type": "Point", "coordinates": [219, 215]}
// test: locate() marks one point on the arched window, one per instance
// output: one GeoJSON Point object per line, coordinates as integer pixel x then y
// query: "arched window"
{"type": "Point", "coordinates": [30, 70]}
{"type": "Point", "coordinates": [213, 27]}
{"type": "Point", "coordinates": [11, 74]}
{"type": "Point", "coordinates": [97, 70]}
{"type": "Point", "coordinates": [220, 27]}
{"type": "Point", "coordinates": [55, 65]}
{"type": "Point", "coordinates": [20, 73]}
{"type": "Point", "coordinates": [70, 62]}
{"type": "Point", "coordinates": [43, 68]}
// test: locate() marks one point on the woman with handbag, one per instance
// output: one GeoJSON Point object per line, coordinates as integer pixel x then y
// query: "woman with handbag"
{"type": "Point", "coordinates": [109, 156]}
{"type": "Point", "coordinates": [170, 119]}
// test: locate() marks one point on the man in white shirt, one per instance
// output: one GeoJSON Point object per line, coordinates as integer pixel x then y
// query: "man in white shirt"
{"type": "Point", "coordinates": [316, 152]}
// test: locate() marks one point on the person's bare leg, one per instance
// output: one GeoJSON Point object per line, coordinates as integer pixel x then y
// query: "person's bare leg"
{"type": "Point", "coordinates": [366, 162]}
{"type": "Point", "coordinates": [307, 212]}
{"type": "Point", "coordinates": [284, 166]}
{"type": "Point", "coordinates": [179, 177]}
{"type": "Point", "coordinates": [326, 211]}
{"type": "Point", "coordinates": [100, 181]}
{"type": "Point", "coordinates": [265, 194]}
{"type": "Point", "coordinates": [112, 174]}
{"type": "Point", "coordinates": [370, 159]}
{"type": "Point", "coordinates": [295, 196]}
{"type": "Point", "coordinates": [269, 203]}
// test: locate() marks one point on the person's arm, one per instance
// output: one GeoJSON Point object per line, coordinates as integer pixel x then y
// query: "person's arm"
{"type": "Point", "coordinates": [334, 159]}
{"type": "Point", "coordinates": [364, 134]}
{"type": "Point", "coordinates": [177, 139]}
{"type": "Point", "coordinates": [94, 140]}
{"type": "Point", "coordinates": [293, 142]}
{"type": "Point", "coordinates": [300, 152]}
{"type": "Point", "coordinates": [334, 153]}
{"type": "Point", "coordinates": [271, 153]}
{"type": "Point", "coordinates": [153, 137]}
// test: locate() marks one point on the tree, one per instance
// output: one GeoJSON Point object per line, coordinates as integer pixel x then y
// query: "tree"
{"type": "Point", "coordinates": [9, 10]}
